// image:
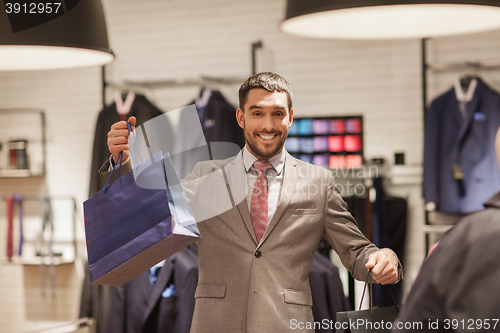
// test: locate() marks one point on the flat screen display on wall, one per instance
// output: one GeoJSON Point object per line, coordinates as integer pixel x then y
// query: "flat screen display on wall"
{"type": "Point", "coordinates": [333, 142]}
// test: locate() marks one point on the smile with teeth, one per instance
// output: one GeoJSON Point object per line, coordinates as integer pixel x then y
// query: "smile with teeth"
{"type": "Point", "coordinates": [267, 137]}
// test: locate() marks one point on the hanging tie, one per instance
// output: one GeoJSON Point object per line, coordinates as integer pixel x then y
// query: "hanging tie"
{"type": "Point", "coordinates": [19, 200]}
{"type": "Point", "coordinates": [10, 228]}
{"type": "Point", "coordinates": [259, 208]}
{"type": "Point", "coordinates": [462, 106]}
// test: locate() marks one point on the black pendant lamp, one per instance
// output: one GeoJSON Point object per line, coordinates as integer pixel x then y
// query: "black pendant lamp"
{"type": "Point", "coordinates": [388, 19]}
{"type": "Point", "coordinates": [42, 35]}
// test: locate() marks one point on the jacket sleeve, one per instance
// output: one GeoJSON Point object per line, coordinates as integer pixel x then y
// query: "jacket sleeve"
{"type": "Point", "coordinates": [106, 170]}
{"type": "Point", "coordinates": [343, 234]}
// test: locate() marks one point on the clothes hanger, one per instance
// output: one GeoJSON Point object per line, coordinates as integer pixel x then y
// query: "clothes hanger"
{"type": "Point", "coordinates": [123, 107]}
{"type": "Point", "coordinates": [468, 78]}
{"type": "Point", "coordinates": [204, 96]}
{"type": "Point", "coordinates": [466, 84]}
{"type": "Point", "coordinates": [465, 81]}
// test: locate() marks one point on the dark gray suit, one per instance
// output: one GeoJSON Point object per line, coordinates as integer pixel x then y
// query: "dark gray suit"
{"type": "Point", "coordinates": [459, 280]}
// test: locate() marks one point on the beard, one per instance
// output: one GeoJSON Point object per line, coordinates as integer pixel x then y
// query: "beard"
{"type": "Point", "coordinates": [263, 150]}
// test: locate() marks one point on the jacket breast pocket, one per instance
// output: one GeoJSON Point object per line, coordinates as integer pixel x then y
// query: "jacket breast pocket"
{"type": "Point", "coordinates": [303, 211]}
{"type": "Point", "coordinates": [210, 291]}
{"type": "Point", "coordinates": [298, 297]}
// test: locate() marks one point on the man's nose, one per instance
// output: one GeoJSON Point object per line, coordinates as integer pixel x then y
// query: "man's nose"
{"type": "Point", "coordinates": [267, 123]}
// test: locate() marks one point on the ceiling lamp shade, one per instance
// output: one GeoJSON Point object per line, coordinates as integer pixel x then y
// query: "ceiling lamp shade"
{"type": "Point", "coordinates": [46, 35]}
{"type": "Point", "coordinates": [388, 19]}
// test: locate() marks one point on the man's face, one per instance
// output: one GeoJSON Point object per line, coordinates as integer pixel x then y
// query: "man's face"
{"type": "Point", "coordinates": [265, 122]}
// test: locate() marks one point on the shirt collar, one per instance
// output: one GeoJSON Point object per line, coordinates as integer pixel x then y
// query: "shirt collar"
{"type": "Point", "coordinates": [469, 94]}
{"type": "Point", "coordinates": [278, 161]}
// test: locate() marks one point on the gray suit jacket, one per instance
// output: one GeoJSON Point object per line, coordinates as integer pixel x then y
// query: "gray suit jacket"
{"type": "Point", "coordinates": [246, 286]}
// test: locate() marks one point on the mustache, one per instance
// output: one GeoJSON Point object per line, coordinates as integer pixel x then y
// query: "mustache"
{"type": "Point", "coordinates": [267, 133]}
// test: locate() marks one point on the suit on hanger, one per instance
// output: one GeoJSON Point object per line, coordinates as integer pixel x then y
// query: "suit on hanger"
{"type": "Point", "coordinates": [139, 307]}
{"type": "Point", "coordinates": [246, 286]}
{"type": "Point", "coordinates": [218, 123]}
{"type": "Point", "coordinates": [327, 293]}
{"type": "Point", "coordinates": [468, 142]}
{"type": "Point", "coordinates": [141, 108]}
{"type": "Point", "coordinates": [389, 230]}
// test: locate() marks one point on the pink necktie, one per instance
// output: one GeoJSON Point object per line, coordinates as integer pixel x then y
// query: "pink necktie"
{"type": "Point", "coordinates": [259, 207]}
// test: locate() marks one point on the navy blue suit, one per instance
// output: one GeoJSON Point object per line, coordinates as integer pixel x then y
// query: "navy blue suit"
{"type": "Point", "coordinates": [218, 124]}
{"type": "Point", "coordinates": [327, 293]}
{"type": "Point", "coordinates": [469, 142]}
{"type": "Point", "coordinates": [137, 307]}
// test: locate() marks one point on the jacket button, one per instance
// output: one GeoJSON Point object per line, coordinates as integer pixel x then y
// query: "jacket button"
{"type": "Point", "coordinates": [258, 254]}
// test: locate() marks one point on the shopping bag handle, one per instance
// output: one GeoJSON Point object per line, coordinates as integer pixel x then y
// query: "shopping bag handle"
{"type": "Point", "coordinates": [364, 289]}
{"type": "Point", "coordinates": [129, 128]}
{"type": "Point", "coordinates": [120, 156]}
{"type": "Point", "coordinates": [368, 278]}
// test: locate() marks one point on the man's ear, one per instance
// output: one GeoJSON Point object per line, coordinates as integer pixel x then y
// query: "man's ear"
{"type": "Point", "coordinates": [290, 118]}
{"type": "Point", "coordinates": [240, 118]}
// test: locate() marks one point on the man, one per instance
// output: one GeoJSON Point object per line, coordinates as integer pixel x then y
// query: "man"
{"type": "Point", "coordinates": [254, 258]}
{"type": "Point", "coordinates": [457, 286]}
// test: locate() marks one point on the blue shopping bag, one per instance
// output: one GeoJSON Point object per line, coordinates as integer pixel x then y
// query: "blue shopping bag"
{"type": "Point", "coordinates": [130, 229]}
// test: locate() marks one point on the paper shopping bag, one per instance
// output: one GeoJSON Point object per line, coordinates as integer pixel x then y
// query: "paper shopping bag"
{"type": "Point", "coordinates": [129, 228]}
{"type": "Point", "coordinates": [370, 320]}
{"type": "Point", "coordinates": [376, 320]}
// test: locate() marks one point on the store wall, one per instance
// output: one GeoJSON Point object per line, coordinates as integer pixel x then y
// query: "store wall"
{"type": "Point", "coordinates": [160, 40]}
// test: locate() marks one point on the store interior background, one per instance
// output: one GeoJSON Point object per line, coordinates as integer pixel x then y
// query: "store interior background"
{"type": "Point", "coordinates": [185, 39]}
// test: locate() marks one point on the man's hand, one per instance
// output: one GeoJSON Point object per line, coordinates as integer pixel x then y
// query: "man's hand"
{"type": "Point", "coordinates": [118, 139]}
{"type": "Point", "coordinates": [384, 264]}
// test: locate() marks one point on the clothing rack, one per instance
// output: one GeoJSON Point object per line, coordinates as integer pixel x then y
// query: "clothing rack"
{"type": "Point", "coordinates": [36, 198]}
{"type": "Point", "coordinates": [202, 81]}
{"type": "Point", "coordinates": [472, 66]}
{"type": "Point", "coordinates": [467, 67]}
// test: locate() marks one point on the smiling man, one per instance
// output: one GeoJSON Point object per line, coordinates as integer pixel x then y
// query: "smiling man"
{"type": "Point", "coordinates": [254, 259]}
{"type": "Point", "coordinates": [266, 121]}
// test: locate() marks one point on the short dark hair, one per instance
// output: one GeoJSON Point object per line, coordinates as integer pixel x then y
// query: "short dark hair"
{"type": "Point", "coordinates": [268, 81]}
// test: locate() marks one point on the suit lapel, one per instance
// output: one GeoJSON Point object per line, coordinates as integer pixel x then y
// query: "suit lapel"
{"type": "Point", "coordinates": [286, 193]}
{"type": "Point", "coordinates": [160, 285]}
{"type": "Point", "coordinates": [145, 287]}
{"type": "Point", "coordinates": [237, 179]}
